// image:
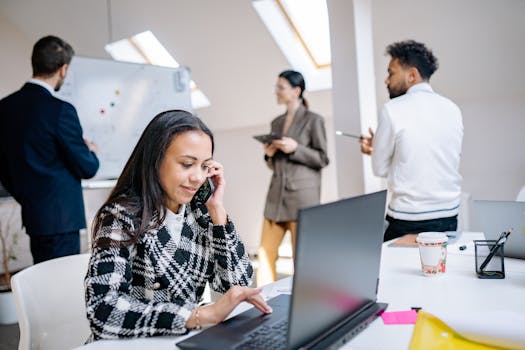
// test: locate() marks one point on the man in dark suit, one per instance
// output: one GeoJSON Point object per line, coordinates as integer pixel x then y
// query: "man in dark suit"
{"type": "Point", "coordinates": [43, 155]}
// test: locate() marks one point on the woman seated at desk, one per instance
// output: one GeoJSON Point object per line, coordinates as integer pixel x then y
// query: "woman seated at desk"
{"type": "Point", "coordinates": [155, 248]}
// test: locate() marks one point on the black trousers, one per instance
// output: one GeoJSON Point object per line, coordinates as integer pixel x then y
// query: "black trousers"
{"type": "Point", "coordinates": [398, 228]}
{"type": "Point", "coordinates": [47, 247]}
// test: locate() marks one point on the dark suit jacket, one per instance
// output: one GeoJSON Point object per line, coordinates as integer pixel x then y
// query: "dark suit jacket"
{"type": "Point", "coordinates": [43, 157]}
{"type": "Point", "coordinates": [296, 179]}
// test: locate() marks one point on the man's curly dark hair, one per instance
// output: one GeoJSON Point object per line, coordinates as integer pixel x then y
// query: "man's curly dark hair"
{"type": "Point", "coordinates": [413, 54]}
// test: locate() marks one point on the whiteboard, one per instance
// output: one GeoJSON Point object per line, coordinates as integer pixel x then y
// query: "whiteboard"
{"type": "Point", "coordinates": [116, 100]}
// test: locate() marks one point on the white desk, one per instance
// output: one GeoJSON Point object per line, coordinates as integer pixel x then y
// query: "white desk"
{"type": "Point", "coordinates": [402, 286]}
{"type": "Point", "coordinates": [459, 290]}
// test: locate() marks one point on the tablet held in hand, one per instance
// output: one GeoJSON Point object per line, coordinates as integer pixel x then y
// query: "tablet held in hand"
{"type": "Point", "coordinates": [267, 138]}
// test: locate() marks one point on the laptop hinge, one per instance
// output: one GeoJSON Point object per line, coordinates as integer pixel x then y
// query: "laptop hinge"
{"type": "Point", "coordinates": [345, 330]}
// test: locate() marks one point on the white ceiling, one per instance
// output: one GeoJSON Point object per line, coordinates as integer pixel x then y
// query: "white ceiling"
{"type": "Point", "coordinates": [234, 60]}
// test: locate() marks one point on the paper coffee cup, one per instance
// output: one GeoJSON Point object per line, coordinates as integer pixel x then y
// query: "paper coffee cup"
{"type": "Point", "coordinates": [432, 252]}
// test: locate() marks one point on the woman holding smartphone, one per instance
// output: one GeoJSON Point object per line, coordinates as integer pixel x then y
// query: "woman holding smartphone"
{"type": "Point", "coordinates": [296, 160]}
{"type": "Point", "coordinates": [155, 248]}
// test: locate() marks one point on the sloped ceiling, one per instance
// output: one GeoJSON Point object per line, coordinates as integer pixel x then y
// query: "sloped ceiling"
{"type": "Point", "coordinates": [232, 56]}
{"type": "Point", "coordinates": [235, 61]}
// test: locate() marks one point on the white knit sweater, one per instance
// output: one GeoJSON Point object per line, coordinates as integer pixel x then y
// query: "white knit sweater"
{"type": "Point", "coordinates": [418, 148]}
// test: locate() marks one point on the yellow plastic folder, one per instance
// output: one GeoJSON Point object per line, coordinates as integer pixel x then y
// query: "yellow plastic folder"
{"type": "Point", "coordinates": [431, 333]}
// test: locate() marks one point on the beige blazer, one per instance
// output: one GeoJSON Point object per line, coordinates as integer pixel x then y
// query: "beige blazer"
{"type": "Point", "coordinates": [296, 179]}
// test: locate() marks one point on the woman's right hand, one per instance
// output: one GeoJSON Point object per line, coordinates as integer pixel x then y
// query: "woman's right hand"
{"type": "Point", "coordinates": [269, 149]}
{"type": "Point", "coordinates": [218, 311]}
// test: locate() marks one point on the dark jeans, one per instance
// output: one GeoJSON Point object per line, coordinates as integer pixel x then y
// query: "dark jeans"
{"type": "Point", "coordinates": [47, 247]}
{"type": "Point", "coordinates": [398, 228]}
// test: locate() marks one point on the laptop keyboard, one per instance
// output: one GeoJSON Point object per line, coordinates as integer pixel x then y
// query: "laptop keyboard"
{"type": "Point", "coordinates": [266, 337]}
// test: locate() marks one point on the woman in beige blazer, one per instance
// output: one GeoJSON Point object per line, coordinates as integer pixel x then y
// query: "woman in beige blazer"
{"type": "Point", "coordinates": [296, 160]}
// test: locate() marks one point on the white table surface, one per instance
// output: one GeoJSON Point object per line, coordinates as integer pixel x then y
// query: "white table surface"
{"type": "Point", "coordinates": [402, 286]}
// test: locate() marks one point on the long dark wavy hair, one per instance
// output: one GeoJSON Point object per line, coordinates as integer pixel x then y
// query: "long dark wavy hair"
{"type": "Point", "coordinates": [138, 187]}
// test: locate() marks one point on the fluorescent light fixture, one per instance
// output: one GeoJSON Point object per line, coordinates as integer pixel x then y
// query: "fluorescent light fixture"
{"type": "Point", "coordinates": [122, 50]}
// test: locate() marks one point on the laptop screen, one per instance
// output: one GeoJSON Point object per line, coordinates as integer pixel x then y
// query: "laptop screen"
{"type": "Point", "coordinates": [494, 217]}
{"type": "Point", "coordinates": [334, 286]}
{"type": "Point", "coordinates": [334, 278]}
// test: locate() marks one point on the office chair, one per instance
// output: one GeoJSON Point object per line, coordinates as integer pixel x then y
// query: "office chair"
{"type": "Point", "coordinates": [464, 212]}
{"type": "Point", "coordinates": [521, 195]}
{"type": "Point", "coordinates": [50, 304]}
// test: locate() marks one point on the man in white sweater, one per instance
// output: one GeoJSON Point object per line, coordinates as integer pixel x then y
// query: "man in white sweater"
{"type": "Point", "coordinates": [417, 146]}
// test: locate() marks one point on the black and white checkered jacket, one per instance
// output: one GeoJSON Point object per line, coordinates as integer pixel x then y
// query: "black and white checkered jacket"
{"type": "Point", "coordinates": [151, 287]}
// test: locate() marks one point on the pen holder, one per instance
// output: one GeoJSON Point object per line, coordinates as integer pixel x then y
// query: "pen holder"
{"type": "Point", "coordinates": [489, 259]}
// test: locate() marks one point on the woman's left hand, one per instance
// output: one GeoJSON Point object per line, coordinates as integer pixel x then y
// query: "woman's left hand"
{"type": "Point", "coordinates": [215, 202]}
{"type": "Point", "coordinates": [218, 311]}
{"type": "Point", "coordinates": [285, 144]}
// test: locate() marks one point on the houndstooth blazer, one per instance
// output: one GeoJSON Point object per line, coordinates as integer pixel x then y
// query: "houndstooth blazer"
{"type": "Point", "coordinates": [151, 287]}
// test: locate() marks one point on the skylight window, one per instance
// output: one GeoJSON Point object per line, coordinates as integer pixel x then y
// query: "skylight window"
{"type": "Point", "coordinates": [146, 48]}
{"type": "Point", "coordinates": [301, 30]}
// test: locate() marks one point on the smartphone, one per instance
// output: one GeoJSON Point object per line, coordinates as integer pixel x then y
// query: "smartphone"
{"type": "Point", "coordinates": [204, 192]}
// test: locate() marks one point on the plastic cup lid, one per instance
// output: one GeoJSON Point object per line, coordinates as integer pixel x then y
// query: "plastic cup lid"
{"type": "Point", "coordinates": [431, 237]}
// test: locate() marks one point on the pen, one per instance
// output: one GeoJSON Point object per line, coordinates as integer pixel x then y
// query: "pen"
{"type": "Point", "coordinates": [502, 238]}
{"type": "Point", "coordinates": [340, 133]}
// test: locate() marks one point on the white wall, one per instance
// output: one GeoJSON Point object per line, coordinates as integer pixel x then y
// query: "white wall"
{"type": "Point", "coordinates": [14, 74]}
{"type": "Point", "coordinates": [354, 94]}
{"type": "Point", "coordinates": [480, 70]}
{"type": "Point", "coordinates": [493, 159]}
{"type": "Point", "coordinates": [15, 58]}
{"type": "Point", "coordinates": [480, 48]}
{"type": "Point", "coordinates": [345, 87]}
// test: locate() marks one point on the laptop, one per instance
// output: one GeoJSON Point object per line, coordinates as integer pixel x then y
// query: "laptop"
{"type": "Point", "coordinates": [335, 284]}
{"type": "Point", "coordinates": [494, 217]}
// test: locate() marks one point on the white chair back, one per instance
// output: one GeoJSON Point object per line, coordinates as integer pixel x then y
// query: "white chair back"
{"type": "Point", "coordinates": [50, 304]}
{"type": "Point", "coordinates": [521, 195]}
{"type": "Point", "coordinates": [464, 212]}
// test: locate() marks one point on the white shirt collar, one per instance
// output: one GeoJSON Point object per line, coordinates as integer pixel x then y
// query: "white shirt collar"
{"type": "Point", "coordinates": [174, 223]}
{"type": "Point", "coordinates": [43, 84]}
{"type": "Point", "coordinates": [172, 215]}
{"type": "Point", "coordinates": [420, 87]}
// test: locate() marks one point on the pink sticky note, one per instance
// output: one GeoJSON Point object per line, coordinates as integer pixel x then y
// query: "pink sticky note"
{"type": "Point", "coordinates": [400, 317]}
